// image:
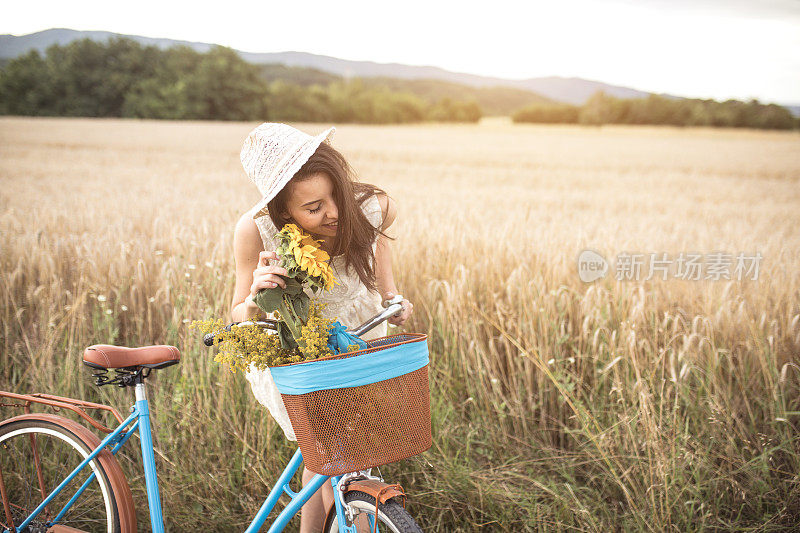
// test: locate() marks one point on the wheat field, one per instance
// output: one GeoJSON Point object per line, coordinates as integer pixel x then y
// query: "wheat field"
{"type": "Point", "coordinates": [557, 405]}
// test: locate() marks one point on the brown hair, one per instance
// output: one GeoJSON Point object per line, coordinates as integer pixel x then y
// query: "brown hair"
{"type": "Point", "coordinates": [355, 234]}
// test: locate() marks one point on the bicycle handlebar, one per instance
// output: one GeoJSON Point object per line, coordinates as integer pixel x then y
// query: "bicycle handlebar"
{"type": "Point", "coordinates": [393, 308]}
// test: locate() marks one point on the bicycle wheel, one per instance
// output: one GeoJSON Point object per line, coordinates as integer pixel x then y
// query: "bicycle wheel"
{"type": "Point", "coordinates": [391, 515]}
{"type": "Point", "coordinates": [37, 452]}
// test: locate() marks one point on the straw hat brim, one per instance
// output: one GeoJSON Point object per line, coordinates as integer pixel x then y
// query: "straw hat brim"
{"type": "Point", "coordinates": [285, 174]}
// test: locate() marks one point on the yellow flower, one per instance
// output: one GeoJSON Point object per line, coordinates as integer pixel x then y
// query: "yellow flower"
{"type": "Point", "coordinates": [315, 334]}
{"type": "Point", "coordinates": [308, 255]}
{"type": "Point", "coordinates": [251, 345]}
{"type": "Point", "coordinates": [293, 231]}
{"type": "Point", "coordinates": [310, 258]}
{"type": "Point", "coordinates": [296, 240]}
{"type": "Point", "coordinates": [328, 277]}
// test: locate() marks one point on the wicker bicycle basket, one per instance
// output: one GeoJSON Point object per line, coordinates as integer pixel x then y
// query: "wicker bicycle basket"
{"type": "Point", "coordinates": [356, 417]}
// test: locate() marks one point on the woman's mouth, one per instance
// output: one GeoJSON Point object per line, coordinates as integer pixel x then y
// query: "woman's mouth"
{"type": "Point", "coordinates": [332, 225]}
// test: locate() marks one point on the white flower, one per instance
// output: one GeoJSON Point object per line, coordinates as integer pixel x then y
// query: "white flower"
{"type": "Point", "coordinates": [551, 361]}
{"type": "Point", "coordinates": [186, 274]}
{"type": "Point", "coordinates": [209, 264]}
{"type": "Point", "coordinates": [192, 267]}
{"type": "Point", "coordinates": [108, 311]}
{"type": "Point", "coordinates": [185, 320]}
{"type": "Point", "coordinates": [151, 299]}
{"type": "Point", "coordinates": [101, 298]}
{"type": "Point", "coordinates": [159, 252]}
{"type": "Point", "coordinates": [124, 307]}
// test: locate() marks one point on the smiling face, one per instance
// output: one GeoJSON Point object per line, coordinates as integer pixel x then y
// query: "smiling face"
{"type": "Point", "coordinates": [310, 204]}
{"type": "Point", "coordinates": [325, 200]}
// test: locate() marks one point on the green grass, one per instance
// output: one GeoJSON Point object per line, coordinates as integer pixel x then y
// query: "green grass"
{"type": "Point", "coordinates": [577, 440]}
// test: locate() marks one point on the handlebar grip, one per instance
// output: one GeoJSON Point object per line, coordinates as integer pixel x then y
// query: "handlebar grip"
{"type": "Point", "coordinates": [391, 310]}
{"type": "Point", "coordinates": [208, 339]}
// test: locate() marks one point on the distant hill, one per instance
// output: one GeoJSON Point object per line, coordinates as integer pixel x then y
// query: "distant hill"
{"type": "Point", "coordinates": [12, 46]}
{"type": "Point", "coordinates": [492, 100]}
{"type": "Point", "coordinates": [427, 81]}
{"type": "Point", "coordinates": [572, 90]}
{"type": "Point", "coordinates": [569, 90]}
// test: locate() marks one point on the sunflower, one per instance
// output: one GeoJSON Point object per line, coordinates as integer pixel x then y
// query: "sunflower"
{"type": "Point", "coordinates": [310, 258]}
{"type": "Point", "coordinates": [328, 279]}
{"type": "Point", "coordinates": [307, 255]}
{"type": "Point", "coordinates": [293, 234]}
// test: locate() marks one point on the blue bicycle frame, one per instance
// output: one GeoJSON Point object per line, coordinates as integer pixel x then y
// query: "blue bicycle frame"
{"type": "Point", "coordinates": [140, 420]}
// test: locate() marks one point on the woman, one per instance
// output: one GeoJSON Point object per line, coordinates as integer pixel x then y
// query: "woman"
{"type": "Point", "coordinates": [305, 181]}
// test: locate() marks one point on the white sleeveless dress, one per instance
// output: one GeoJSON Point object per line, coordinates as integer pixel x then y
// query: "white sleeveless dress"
{"type": "Point", "coordinates": [349, 301]}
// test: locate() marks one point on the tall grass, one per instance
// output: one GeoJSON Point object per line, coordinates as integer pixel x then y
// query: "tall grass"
{"type": "Point", "coordinates": [557, 405]}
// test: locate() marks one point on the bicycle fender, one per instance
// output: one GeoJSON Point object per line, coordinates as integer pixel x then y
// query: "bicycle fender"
{"type": "Point", "coordinates": [127, 511]}
{"type": "Point", "coordinates": [377, 489]}
{"type": "Point", "coordinates": [383, 492]}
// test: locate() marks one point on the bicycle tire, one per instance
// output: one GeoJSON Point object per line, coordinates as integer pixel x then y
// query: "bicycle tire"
{"type": "Point", "coordinates": [106, 505]}
{"type": "Point", "coordinates": [391, 515]}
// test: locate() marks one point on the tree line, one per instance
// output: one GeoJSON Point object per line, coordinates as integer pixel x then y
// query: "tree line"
{"type": "Point", "coordinates": [122, 78]}
{"type": "Point", "coordinates": [604, 109]}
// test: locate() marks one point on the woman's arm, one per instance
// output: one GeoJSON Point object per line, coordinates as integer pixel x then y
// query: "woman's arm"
{"type": "Point", "coordinates": [384, 278]}
{"type": "Point", "coordinates": [253, 271]}
{"type": "Point", "coordinates": [246, 249]}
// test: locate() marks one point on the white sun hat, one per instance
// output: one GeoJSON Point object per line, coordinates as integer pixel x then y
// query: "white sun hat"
{"type": "Point", "coordinates": [273, 153]}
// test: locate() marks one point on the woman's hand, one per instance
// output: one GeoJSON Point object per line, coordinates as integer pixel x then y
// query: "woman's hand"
{"type": "Point", "coordinates": [400, 319]}
{"type": "Point", "coordinates": [267, 276]}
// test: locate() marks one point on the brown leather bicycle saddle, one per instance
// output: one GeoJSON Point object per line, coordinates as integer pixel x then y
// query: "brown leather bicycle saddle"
{"type": "Point", "coordinates": [109, 356]}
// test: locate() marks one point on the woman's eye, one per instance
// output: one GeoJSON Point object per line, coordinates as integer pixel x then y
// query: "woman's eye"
{"type": "Point", "coordinates": [312, 211]}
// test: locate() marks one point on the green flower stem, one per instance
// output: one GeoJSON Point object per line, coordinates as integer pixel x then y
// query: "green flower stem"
{"type": "Point", "coordinates": [293, 322]}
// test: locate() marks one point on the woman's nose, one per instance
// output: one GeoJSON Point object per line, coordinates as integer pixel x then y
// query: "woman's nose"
{"type": "Point", "coordinates": [332, 213]}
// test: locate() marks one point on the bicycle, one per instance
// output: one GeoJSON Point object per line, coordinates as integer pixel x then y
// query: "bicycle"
{"type": "Point", "coordinates": [39, 449]}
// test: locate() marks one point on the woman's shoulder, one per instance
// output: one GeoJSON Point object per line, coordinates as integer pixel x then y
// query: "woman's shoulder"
{"type": "Point", "coordinates": [253, 232]}
{"type": "Point", "coordinates": [371, 208]}
{"type": "Point", "coordinates": [380, 210]}
{"type": "Point", "coordinates": [247, 224]}
{"type": "Point", "coordinates": [246, 236]}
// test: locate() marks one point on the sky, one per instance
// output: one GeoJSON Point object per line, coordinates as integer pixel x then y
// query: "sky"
{"type": "Point", "coordinates": [694, 48]}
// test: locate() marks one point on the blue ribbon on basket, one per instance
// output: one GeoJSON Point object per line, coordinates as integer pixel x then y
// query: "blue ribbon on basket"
{"type": "Point", "coordinates": [339, 339]}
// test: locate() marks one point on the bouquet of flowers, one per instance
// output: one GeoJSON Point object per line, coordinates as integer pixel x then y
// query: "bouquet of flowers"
{"type": "Point", "coordinates": [303, 334]}
{"type": "Point", "coordinates": [307, 264]}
